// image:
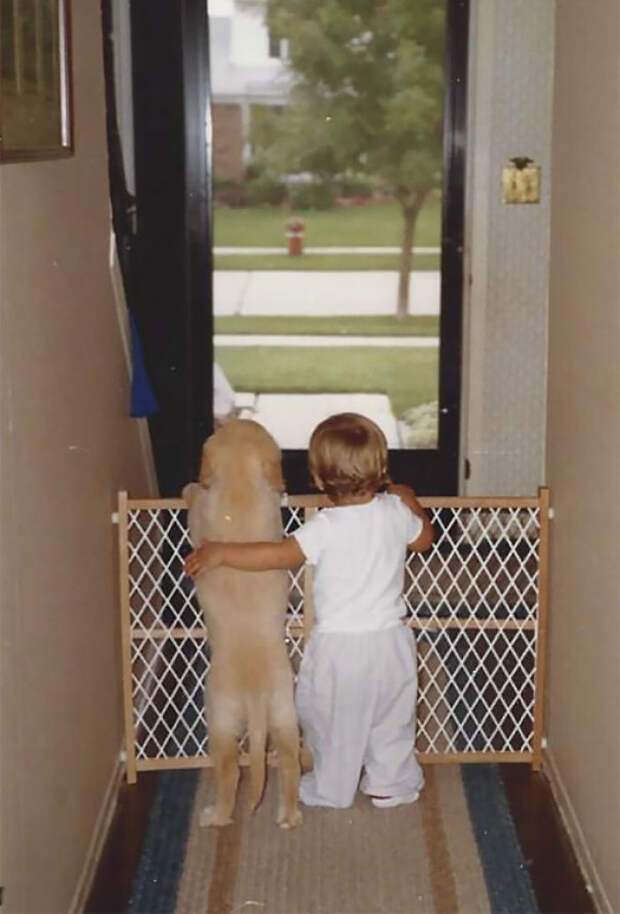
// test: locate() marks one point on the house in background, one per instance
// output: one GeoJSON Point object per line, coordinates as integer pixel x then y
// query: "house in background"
{"type": "Point", "coordinates": [247, 71]}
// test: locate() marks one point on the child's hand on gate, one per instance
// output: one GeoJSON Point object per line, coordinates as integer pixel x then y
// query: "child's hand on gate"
{"type": "Point", "coordinates": [408, 496]}
{"type": "Point", "coordinates": [206, 556]}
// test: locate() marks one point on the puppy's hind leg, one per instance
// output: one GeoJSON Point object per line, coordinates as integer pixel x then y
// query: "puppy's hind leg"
{"type": "Point", "coordinates": [224, 750]}
{"type": "Point", "coordinates": [305, 757]}
{"type": "Point", "coordinates": [285, 735]}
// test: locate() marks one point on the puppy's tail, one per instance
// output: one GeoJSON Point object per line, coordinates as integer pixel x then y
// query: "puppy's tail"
{"type": "Point", "coordinates": [257, 731]}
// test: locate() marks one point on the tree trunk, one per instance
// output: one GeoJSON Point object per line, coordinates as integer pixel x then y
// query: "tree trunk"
{"type": "Point", "coordinates": [410, 210]}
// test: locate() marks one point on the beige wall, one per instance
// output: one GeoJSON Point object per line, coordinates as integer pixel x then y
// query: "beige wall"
{"type": "Point", "coordinates": [584, 435]}
{"type": "Point", "coordinates": [66, 447]}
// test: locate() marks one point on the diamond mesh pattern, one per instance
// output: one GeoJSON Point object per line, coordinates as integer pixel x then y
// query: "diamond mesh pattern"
{"type": "Point", "coordinates": [473, 601]}
{"type": "Point", "coordinates": [293, 517]}
{"type": "Point", "coordinates": [169, 651]}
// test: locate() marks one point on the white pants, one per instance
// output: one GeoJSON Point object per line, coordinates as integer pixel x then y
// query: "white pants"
{"type": "Point", "coordinates": [356, 700]}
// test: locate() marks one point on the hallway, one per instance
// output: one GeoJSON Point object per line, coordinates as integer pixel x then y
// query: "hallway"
{"type": "Point", "coordinates": [540, 402]}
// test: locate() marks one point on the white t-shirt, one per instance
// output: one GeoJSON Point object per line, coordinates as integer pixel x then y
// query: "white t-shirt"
{"type": "Point", "coordinates": [359, 556]}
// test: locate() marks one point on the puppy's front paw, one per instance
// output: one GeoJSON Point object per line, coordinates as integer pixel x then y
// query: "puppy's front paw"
{"type": "Point", "coordinates": [291, 819]}
{"type": "Point", "coordinates": [209, 817]}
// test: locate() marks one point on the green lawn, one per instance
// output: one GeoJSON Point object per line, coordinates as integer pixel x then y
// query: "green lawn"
{"type": "Point", "coordinates": [338, 262]}
{"type": "Point", "coordinates": [378, 224]}
{"type": "Point", "coordinates": [407, 376]}
{"type": "Point", "coordinates": [381, 325]}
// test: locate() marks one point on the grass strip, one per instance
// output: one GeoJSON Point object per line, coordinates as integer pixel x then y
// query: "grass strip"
{"type": "Point", "coordinates": [374, 224]}
{"type": "Point", "coordinates": [329, 262]}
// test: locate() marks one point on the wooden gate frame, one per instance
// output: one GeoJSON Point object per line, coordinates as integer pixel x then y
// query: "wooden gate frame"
{"type": "Point", "coordinates": [298, 625]}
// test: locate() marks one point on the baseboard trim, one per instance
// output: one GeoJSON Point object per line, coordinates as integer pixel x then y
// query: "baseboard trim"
{"type": "Point", "coordinates": [576, 834]}
{"type": "Point", "coordinates": [99, 835]}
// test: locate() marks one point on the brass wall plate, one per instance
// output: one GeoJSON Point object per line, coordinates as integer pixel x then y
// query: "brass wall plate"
{"type": "Point", "coordinates": [521, 185]}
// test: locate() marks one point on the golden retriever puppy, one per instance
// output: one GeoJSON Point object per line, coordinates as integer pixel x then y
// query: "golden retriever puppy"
{"type": "Point", "coordinates": [250, 682]}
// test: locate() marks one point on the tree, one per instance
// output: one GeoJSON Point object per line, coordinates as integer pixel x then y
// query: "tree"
{"type": "Point", "coordinates": [366, 98]}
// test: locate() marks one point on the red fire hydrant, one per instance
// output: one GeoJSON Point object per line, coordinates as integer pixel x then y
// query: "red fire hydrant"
{"type": "Point", "coordinates": [295, 230]}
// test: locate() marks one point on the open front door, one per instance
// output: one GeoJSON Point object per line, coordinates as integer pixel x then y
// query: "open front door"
{"type": "Point", "coordinates": [170, 283]}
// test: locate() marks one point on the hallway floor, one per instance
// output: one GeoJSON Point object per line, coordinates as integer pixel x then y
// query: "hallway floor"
{"type": "Point", "coordinates": [554, 872]}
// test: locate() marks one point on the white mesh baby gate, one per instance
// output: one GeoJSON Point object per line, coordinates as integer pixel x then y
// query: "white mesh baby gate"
{"type": "Point", "coordinates": [476, 600]}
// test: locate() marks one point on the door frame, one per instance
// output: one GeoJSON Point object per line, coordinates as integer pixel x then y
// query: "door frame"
{"type": "Point", "coordinates": [171, 261]}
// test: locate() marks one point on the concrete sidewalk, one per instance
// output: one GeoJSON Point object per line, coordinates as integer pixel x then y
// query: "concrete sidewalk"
{"type": "Point", "coordinates": [245, 339]}
{"type": "Point", "coordinates": [278, 292]}
{"type": "Point", "coordinates": [290, 418]}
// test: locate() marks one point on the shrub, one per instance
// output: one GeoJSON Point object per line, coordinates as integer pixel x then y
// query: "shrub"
{"type": "Point", "coordinates": [316, 195]}
{"type": "Point", "coordinates": [421, 424]}
{"type": "Point", "coordinates": [228, 192]}
{"type": "Point", "coordinates": [353, 187]}
{"type": "Point", "coordinates": [265, 189]}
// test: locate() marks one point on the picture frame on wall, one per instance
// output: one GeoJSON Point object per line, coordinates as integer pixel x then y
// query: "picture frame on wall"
{"type": "Point", "coordinates": [35, 80]}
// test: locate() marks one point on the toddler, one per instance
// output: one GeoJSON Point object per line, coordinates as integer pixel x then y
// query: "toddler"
{"type": "Point", "coordinates": [357, 686]}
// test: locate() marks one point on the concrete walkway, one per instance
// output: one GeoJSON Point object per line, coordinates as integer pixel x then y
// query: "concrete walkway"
{"type": "Point", "coordinates": [290, 418]}
{"type": "Point", "coordinates": [244, 339]}
{"type": "Point", "coordinates": [321, 293]}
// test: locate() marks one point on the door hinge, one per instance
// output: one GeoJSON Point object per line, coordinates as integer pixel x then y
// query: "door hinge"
{"type": "Point", "coordinates": [467, 473]}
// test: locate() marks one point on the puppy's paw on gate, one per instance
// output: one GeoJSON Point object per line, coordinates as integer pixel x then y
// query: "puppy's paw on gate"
{"type": "Point", "coordinates": [209, 817]}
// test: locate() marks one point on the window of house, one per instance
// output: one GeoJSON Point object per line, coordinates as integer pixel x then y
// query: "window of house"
{"type": "Point", "coordinates": [275, 46]}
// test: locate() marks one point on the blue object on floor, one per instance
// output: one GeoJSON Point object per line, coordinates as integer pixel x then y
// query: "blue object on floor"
{"type": "Point", "coordinates": [154, 889]}
{"type": "Point", "coordinates": [503, 864]}
{"type": "Point", "coordinates": [143, 400]}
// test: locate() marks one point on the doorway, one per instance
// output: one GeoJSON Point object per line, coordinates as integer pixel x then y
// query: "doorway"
{"type": "Point", "coordinates": [338, 222]}
{"type": "Point", "coordinates": [187, 212]}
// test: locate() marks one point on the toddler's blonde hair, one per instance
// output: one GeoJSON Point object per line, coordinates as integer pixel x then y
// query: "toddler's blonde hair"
{"type": "Point", "coordinates": [348, 454]}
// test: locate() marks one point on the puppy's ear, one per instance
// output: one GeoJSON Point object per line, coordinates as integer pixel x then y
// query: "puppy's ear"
{"type": "Point", "coordinates": [206, 465]}
{"type": "Point", "coordinates": [272, 468]}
